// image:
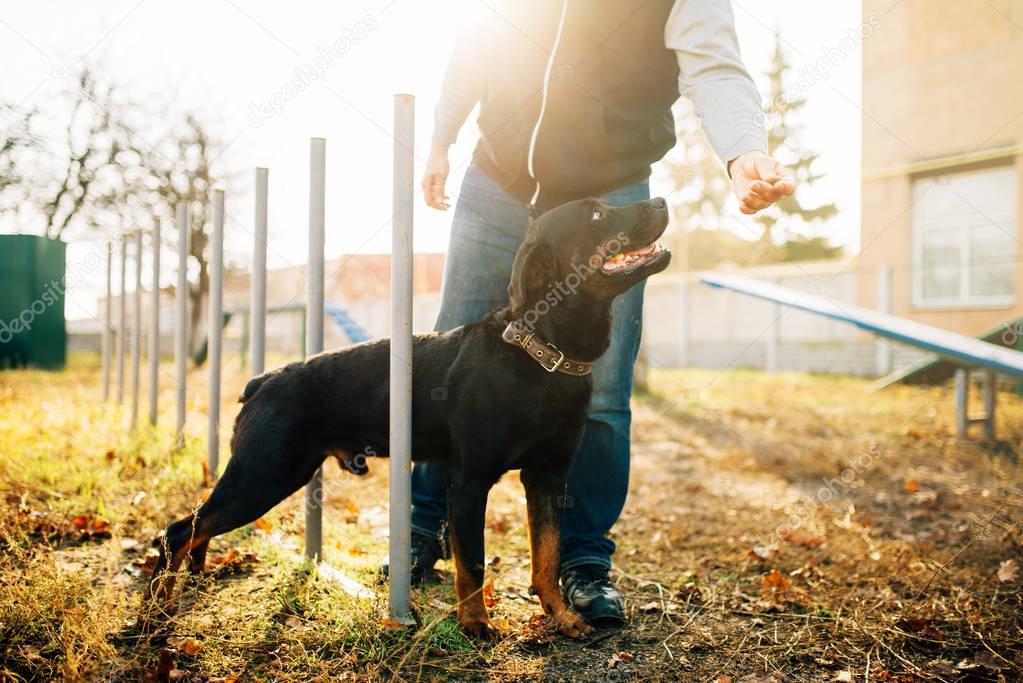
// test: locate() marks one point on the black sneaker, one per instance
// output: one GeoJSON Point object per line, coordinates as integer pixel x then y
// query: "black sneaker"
{"type": "Point", "coordinates": [425, 551]}
{"type": "Point", "coordinates": [589, 591]}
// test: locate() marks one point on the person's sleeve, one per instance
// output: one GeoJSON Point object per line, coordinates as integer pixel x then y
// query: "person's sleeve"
{"type": "Point", "coordinates": [713, 77]}
{"type": "Point", "coordinates": [462, 86]}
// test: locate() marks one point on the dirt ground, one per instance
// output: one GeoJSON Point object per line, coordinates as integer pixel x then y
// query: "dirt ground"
{"type": "Point", "coordinates": [779, 528]}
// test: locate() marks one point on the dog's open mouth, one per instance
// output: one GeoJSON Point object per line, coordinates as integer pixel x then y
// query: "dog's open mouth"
{"type": "Point", "coordinates": [631, 261]}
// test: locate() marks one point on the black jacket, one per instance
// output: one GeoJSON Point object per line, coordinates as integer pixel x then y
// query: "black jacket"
{"type": "Point", "coordinates": [604, 116]}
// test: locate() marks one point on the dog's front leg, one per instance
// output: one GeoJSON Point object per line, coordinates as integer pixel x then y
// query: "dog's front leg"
{"type": "Point", "coordinates": [467, 508]}
{"type": "Point", "coordinates": [543, 488]}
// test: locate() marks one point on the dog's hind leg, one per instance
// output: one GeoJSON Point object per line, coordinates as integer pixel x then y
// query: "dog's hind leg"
{"type": "Point", "coordinates": [197, 557]}
{"type": "Point", "coordinates": [257, 478]}
{"type": "Point", "coordinates": [181, 539]}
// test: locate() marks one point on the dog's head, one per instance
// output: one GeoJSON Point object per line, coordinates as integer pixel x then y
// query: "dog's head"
{"type": "Point", "coordinates": [589, 248]}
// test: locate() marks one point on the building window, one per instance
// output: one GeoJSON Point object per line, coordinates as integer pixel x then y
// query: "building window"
{"type": "Point", "coordinates": [964, 239]}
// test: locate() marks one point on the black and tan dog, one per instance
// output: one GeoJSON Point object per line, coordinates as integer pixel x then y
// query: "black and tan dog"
{"type": "Point", "coordinates": [515, 387]}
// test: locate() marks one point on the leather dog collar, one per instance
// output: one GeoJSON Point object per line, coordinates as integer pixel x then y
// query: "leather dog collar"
{"type": "Point", "coordinates": [550, 357]}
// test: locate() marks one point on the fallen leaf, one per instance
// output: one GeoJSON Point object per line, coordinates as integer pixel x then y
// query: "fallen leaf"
{"type": "Point", "coordinates": [263, 525]}
{"type": "Point", "coordinates": [920, 627]}
{"type": "Point", "coordinates": [776, 582]}
{"type": "Point", "coordinates": [490, 597]}
{"type": "Point", "coordinates": [1008, 571]}
{"type": "Point", "coordinates": [912, 486]}
{"type": "Point", "coordinates": [233, 561]}
{"type": "Point", "coordinates": [87, 527]}
{"type": "Point", "coordinates": [390, 624]}
{"type": "Point", "coordinates": [536, 632]}
{"type": "Point", "coordinates": [186, 645]}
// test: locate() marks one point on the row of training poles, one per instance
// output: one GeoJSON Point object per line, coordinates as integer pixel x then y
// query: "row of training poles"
{"type": "Point", "coordinates": [400, 447]}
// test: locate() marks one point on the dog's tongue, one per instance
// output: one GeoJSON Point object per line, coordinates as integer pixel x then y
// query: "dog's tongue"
{"type": "Point", "coordinates": [628, 258]}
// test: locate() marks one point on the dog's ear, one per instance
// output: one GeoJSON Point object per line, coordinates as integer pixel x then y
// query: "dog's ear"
{"type": "Point", "coordinates": [534, 269]}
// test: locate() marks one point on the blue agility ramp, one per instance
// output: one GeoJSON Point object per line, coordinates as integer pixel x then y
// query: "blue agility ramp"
{"type": "Point", "coordinates": [966, 352]}
{"type": "Point", "coordinates": [356, 332]}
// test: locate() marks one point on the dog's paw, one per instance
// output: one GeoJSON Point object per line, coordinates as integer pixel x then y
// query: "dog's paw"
{"type": "Point", "coordinates": [572, 625]}
{"type": "Point", "coordinates": [480, 629]}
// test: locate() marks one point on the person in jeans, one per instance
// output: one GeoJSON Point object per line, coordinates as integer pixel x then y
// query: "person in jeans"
{"type": "Point", "coordinates": [575, 101]}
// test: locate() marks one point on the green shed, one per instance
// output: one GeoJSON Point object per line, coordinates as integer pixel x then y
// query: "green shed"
{"type": "Point", "coordinates": [32, 330]}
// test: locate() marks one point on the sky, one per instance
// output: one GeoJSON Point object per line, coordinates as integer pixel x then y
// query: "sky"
{"type": "Point", "coordinates": [226, 59]}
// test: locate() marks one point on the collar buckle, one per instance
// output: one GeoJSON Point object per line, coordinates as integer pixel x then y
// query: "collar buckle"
{"type": "Point", "coordinates": [557, 363]}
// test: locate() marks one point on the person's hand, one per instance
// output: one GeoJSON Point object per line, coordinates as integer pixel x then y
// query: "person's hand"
{"type": "Point", "coordinates": [759, 181]}
{"type": "Point", "coordinates": [434, 177]}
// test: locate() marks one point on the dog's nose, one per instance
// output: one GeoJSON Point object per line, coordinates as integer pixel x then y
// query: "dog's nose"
{"type": "Point", "coordinates": [658, 203]}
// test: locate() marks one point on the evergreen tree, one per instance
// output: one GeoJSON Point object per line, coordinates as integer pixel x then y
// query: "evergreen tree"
{"type": "Point", "coordinates": [700, 187]}
{"type": "Point", "coordinates": [783, 133]}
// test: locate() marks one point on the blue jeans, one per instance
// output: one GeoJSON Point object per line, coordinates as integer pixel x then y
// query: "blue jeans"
{"type": "Point", "coordinates": [488, 227]}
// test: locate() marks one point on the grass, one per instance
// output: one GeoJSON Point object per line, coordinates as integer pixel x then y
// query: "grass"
{"type": "Point", "coordinates": [779, 527]}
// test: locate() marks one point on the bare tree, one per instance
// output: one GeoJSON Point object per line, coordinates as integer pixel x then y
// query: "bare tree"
{"type": "Point", "coordinates": [18, 143]}
{"type": "Point", "coordinates": [110, 173]}
{"type": "Point", "coordinates": [183, 172]}
{"type": "Point", "coordinates": [784, 131]}
{"type": "Point", "coordinates": [99, 147]}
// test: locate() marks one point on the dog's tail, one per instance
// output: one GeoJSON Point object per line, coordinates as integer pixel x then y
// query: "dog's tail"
{"type": "Point", "coordinates": [256, 382]}
{"type": "Point", "coordinates": [252, 387]}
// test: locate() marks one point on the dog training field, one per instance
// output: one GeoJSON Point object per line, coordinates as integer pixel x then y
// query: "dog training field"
{"type": "Point", "coordinates": [779, 527]}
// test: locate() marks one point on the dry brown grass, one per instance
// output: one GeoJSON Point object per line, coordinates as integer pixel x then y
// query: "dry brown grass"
{"type": "Point", "coordinates": [779, 527]}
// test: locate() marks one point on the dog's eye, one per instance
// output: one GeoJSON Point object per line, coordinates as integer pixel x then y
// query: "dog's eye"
{"type": "Point", "coordinates": [597, 214]}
